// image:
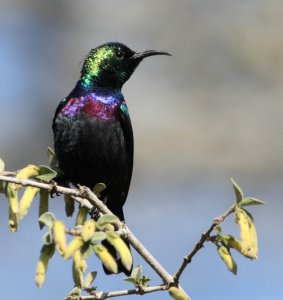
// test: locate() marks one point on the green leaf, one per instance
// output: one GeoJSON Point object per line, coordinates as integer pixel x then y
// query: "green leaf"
{"type": "Point", "coordinates": [98, 188]}
{"type": "Point", "coordinates": [74, 292]}
{"type": "Point", "coordinates": [136, 273]}
{"type": "Point", "coordinates": [144, 280]}
{"type": "Point", "coordinates": [98, 236]}
{"type": "Point", "coordinates": [106, 219]}
{"type": "Point", "coordinates": [47, 219]}
{"type": "Point", "coordinates": [3, 187]}
{"type": "Point", "coordinates": [86, 250]}
{"type": "Point", "coordinates": [238, 191]}
{"type": "Point", "coordinates": [89, 279]}
{"type": "Point", "coordinates": [47, 239]}
{"type": "Point", "coordinates": [2, 165]}
{"type": "Point", "coordinates": [69, 205]}
{"type": "Point", "coordinates": [218, 229]}
{"type": "Point", "coordinates": [227, 258]}
{"type": "Point", "coordinates": [251, 201]}
{"type": "Point", "coordinates": [130, 279]}
{"type": "Point", "coordinates": [46, 174]}
{"type": "Point", "coordinates": [52, 159]}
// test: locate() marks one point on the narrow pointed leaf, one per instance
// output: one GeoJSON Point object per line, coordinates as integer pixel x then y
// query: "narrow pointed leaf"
{"type": "Point", "coordinates": [227, 258]}
{"type": "Point", "coordinates": [136, 273]}
{"type": "Point", "coordinates": [105, 219]}
{"type": "Point", "coordinates": [52, 159]}
{"type": "Point", "coordinates": [238, 191]}
{"type": "Point", "coordinates": [26, 200]}
{"type": "Point", "coordinates": [98, 236]}
{"type": "Point", "coordinates": [251, 201]}
{"type": "Point", "coordinates": [90, 277]}
{"type": "Point", "coordinates": [46, 173]}
{"type": "Point", "coordinates": [2, 165]}
{"type": "Point", "coordinates": [69, 205]}
{"type": "Point", "coordinates": [43, 205]}
{"type": "Point", "coordinates": [178, 294]}
{"type": "Point", "coordinates": [47, 219]}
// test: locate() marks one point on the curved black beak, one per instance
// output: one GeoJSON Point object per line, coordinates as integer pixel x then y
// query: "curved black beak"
{"type": "Point", "coordinates": [147, 53]}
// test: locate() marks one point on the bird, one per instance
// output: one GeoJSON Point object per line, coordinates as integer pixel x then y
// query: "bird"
{"type": "Point", "coordinates": [93, 136]}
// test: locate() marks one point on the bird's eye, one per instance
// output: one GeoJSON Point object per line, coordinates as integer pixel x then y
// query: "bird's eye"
{"type": "Point", "coordinates": [120, 53]}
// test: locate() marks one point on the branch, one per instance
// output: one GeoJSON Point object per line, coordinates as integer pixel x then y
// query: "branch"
{"type": "Point", "coordinates": [86, 198]}
{"type": "Point", "coordinates": [98, 295]}
{"type": "Point", "coordinates": [204, 238]}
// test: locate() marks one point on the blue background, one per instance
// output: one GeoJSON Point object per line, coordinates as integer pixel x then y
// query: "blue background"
{"type": "Point", "coordinates": [212, 111]}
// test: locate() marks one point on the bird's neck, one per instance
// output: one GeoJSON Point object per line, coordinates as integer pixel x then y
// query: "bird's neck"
{"type": "Point", "coordinates": [104, 80]}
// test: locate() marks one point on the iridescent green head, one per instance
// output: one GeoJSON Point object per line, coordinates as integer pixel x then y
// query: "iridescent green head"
{"type": "Point", "coordinates": [112, 64]}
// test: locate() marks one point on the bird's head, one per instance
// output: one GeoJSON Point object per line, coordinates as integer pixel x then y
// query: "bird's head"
{"type": "Point", "coordinates": [112, 64]}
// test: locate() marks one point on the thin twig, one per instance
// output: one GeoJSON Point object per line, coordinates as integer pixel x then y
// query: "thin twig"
{"type": "Point", "coordinates": [204, 237]}
{"type": "Point", "coordinates": [98, 295]}
{"type": "Point", "coordinates": [85, 197]}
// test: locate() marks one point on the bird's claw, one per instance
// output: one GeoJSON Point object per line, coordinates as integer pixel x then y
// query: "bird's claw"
{"type": "Point", "coordinates": [94, 213]}
{"type": "Point", "coordinates": [53, 189]}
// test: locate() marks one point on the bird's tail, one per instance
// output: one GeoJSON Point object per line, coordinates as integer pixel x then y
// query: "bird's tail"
{"type": "Point", "coordinates": [118, 211]}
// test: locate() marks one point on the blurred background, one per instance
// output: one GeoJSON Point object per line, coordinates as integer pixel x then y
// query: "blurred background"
{"type": "Point", "coordinates": [212, 111]}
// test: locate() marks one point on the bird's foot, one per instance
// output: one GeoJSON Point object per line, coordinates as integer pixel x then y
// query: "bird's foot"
{"type": "Point", "coordinates": [58, 180]}
{"type": "Point", "coordinates": [94, 213]}
{"type": "Point", "coordinates": [53, 190]}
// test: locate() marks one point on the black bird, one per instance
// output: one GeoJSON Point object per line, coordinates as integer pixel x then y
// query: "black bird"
{"type": "Point", "coordinates": [93, 135]}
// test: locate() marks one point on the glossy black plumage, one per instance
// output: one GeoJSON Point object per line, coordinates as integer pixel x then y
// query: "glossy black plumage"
{"type": "Point", "coordinates": [93, 136]}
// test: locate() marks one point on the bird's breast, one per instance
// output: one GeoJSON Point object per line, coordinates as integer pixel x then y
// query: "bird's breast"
{"type": "Point", "coordinates": [103, 108]}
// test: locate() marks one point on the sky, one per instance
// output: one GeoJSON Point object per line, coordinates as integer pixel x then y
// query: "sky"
{"type": "Point", "coordinates": [210, 112]}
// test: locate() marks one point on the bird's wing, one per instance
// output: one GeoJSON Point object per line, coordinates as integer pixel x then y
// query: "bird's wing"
{"type": "Point", "coordinates": [62, 103]}
{"type": "Point", "coordinates": [127, 128]}
{"type": "Point", "coordinates": [129, 141]}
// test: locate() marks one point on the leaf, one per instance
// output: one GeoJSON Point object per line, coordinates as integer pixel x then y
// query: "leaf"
{"type": "Point", "coordinates": [47, 239]}
{"type": "Point", "coordinates": [248, 233]}
{"type": "Point", "coordinates": [98, 236]}
{"type": "Point", "coordinates": [218, 229]}
{"type": "Point", "coordinates": [47, 219]}
{"type": "Point", "coordinates": [43, 205]}
{"type": "Point", "coordinates": [238, 191]}
{"type": "Point", "coordinates": [130, 279]}
{"type": "Point", "coordinates": [82, 215]}
{"type": "Point", "coordinates": [45, 173]}
{"type": "Point", "coordinates": [105, 219]}
{"type": "Point", "coordinates": [251, 201]}
{"type": "Point", "coordinates": [59, 236]}
{"type": "Point", "coordinates": [106, 258]}
{"type": "Point", "coordinates": [98, 188]}
{"type": "Point", "coordinates": [86, 250]}
{"type": "Point", "coordinates": [26, 200]}
{"type": "Point", "coordinates": [136, 273]}
{"type": "Point", "coordinates": [3, 187]}
{"type": "Point", "coordinates": [75, 244]}
{"type": "Point", "coordinates": [69, 205]}
{"type": "Point", "coordinates": [46, 253]}
{"type": "Point", "coordinates": [89, 279]}
{"type": "Point", "coordinates": [2, 166]}
{"type": "Point", "coordinates": [78, 268]}
{"type": "Point", "coordinates": [88, 230]}
{"type": "Point", "coordinates": [52, 159]}
{"type": "Point", "coordinates": [30, 171]}
{"type": "Point", "coordinates": [144, 280]}
{"type": "Point", "coordinates": [74, 292]}
{"type": "Point", "coordinates": [226, 256]}
{"type": "Point", "coordinates": [230, 241]}
{"type": "Point", "coordinates": [13, 207]}
{"type": "Point", "coordinates": [121, 247]}
{"type": "Point", "coordinates": [177, 293]}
